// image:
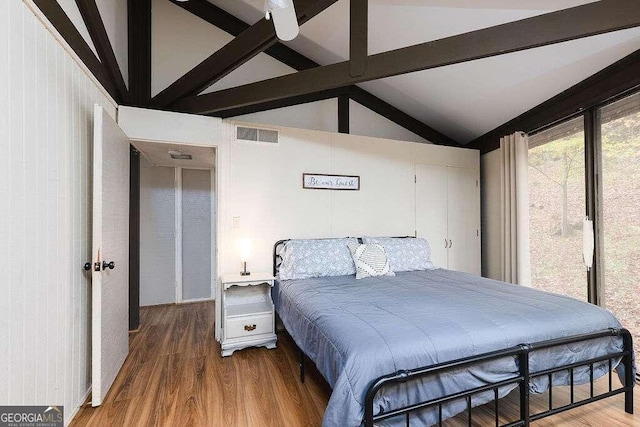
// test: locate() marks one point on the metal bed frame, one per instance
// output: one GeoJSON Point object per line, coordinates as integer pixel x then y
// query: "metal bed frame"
{"type": "Point", "coordinates": [522, 379]}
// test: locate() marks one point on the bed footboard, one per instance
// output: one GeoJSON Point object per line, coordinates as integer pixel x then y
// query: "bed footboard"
{"type": "Point", "coordinates": [522, 380]}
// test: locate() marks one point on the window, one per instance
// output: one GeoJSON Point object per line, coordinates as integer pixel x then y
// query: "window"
{"type": "Point", "coordinates": [557, 209]}
{"type": "Point", "coordinates": [620, 188]}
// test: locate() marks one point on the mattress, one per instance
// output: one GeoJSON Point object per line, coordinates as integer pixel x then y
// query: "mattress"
{"type": "Point", "coordinates": [357, 330]}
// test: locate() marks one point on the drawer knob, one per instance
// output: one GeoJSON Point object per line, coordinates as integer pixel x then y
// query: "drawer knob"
{"type": "Point", "coordinates": [249, 328]}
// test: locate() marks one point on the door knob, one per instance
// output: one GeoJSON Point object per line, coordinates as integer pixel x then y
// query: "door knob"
{"type": "Point", "coordinates": [111, 265]}
{"type": "Point", "coordinates": [87, 266]}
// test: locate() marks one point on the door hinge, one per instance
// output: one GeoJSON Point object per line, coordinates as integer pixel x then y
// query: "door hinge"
{"type": "Point", "coordinates": [476, 183]}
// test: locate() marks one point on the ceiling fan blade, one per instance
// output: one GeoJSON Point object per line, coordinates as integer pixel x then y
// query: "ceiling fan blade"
{"type": "Point", "coordinates": [285, 22]}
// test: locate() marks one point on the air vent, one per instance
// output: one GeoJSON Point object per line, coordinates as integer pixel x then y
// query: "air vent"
{"type": "Point", "coordinates": [256, 135]}
{"type": "Point", "coordinates": [179, 155]}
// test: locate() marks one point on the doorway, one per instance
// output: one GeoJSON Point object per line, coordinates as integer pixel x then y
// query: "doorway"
{"type": "Point", "coordinates": [177, 217]}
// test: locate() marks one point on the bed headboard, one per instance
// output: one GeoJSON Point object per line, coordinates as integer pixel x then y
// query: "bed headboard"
{"type": "Point", "coordinates": [277, 257]}
{"type": "Point", "coordinates": [279, 246]}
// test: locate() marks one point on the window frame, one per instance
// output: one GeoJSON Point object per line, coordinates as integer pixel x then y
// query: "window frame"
{"type": "Point", "coordinates": [593, 184]}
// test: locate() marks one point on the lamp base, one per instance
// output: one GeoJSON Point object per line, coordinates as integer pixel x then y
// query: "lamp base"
{"type": "Point", "coordinates": [245, 272]}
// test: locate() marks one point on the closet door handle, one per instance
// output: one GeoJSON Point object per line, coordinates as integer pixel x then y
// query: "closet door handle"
{"type": "Point", "coordinates": [445, 244]}
{"type": "Point", "coordinates": [450, 243]}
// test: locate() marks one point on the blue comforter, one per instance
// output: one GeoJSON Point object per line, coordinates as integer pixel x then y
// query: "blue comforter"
{"type": "Point", "coordinates": [358, 330]}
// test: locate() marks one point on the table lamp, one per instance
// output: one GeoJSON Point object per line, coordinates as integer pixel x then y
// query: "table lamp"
{"type": "Point", "coordinates": [244, 250]}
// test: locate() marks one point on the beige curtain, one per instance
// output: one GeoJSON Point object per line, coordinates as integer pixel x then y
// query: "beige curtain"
{"type": "Point", "coordinates": [516, 260]}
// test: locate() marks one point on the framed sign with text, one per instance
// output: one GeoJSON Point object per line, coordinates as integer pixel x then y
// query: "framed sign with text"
{"type": "Point", "coordinates": [317, 181]}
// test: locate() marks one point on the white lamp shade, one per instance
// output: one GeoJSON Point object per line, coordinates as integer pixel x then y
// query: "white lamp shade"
{"type": "Point", "coordinates": [244, 249]}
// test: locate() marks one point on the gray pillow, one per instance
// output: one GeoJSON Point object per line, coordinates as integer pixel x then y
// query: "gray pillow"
{"type": "Point", "coordinates": [305, 258]}
{"type": "Point", "coordinates": [405, 254]}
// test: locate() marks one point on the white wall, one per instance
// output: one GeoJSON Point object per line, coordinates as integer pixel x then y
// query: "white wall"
{"type": "Point", "coordinates": [266, 194]}
{"type": "Point", "coordinates": [491, 237]}
{"type": "Point", "coordinates": [320, 115]}
{"type": "Point", "coordinates": [46, 105]}
{"type": "Point", "coordinates": [363, 121]}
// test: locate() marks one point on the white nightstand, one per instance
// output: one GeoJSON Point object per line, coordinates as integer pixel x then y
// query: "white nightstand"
{"type": "Point", "coordinates": [247, 312]}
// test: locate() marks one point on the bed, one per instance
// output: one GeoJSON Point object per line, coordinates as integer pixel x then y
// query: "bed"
{"type": "Point", "coordinates": [422, 346]}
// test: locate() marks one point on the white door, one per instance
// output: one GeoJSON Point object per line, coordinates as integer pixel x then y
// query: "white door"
{"type": "Point", "coordinates": [110, 276]}
{"type": "Point", "coordinates": [431, 210]}
{"type": "Point", "coordinates": [464, 220]}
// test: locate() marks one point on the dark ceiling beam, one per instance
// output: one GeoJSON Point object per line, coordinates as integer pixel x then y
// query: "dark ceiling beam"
{"type": "Point", "coordinates": [397, 116]}
{"type": "Point", "coordinates": [242, 48]}
{"type": "Point", "coordinates": [556, 27]}
{"type": "Point", "coordinates": [358, 36]}
{"type": "Point", "coordinates": [343, 113]}
{"type": "Point", "coordinates": [281, 103]}
{"type": "Point", "coordinates": [616, 80]}
{"type": "Point", "coordinates": [234, 26]}
{"type": "Point", "coordinates": [56, 15]}
{"type": "Point", "coordinates": [290, 57]}
{"type": "Point", "coordinates": [139, 40]}
{"type": "Point", "coordinates": [95, 25]}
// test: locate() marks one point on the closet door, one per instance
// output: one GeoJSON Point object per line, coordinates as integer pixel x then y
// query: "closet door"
{"type": "Point", "coordinates": [431, 210]}
{"type": "Point", "coordinates": [463, 219]}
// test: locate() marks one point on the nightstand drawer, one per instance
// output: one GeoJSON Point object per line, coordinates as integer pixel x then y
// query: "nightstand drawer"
{"type": "Point", "coordinates": [249, 326]}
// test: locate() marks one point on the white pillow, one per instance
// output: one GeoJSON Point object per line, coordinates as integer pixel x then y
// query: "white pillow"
{"type": "Point", "coordinates": [370, 260]}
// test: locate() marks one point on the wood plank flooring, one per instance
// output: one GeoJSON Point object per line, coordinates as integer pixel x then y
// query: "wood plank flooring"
{"type": "Point", "coordinates": [175, 376]}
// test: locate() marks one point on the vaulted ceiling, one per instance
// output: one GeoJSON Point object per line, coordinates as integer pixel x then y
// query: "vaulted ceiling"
{"type": "Point", "coordinates": [462, 101]}
{"type": "Point", "coordinates": [465, 100]}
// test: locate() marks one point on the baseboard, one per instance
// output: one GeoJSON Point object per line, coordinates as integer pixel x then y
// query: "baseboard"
{"type": "Point", "coordinates": [189, 301]}
{"type": "Point", "coordinates": [196, 300]}
{"type": "Point", "coordinates": [83, 401]}
{"type": "Point", "coordinates": [158, 305]}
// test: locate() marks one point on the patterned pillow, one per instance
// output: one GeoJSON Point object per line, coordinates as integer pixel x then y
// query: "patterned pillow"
{"type": "Point", "coordinates": [405, 254]}
{"type": "Point", "coordinates": [305, 258]}
{"type": "Point", "coordinates": [370, 260]}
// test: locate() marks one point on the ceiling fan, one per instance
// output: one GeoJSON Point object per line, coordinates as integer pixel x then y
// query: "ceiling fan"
{"type": "Point", "coordinates": [284, 16]}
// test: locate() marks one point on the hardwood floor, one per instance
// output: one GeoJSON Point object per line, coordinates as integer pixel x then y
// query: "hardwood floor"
{"type": "Point", "coordinates": [175, 376]}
